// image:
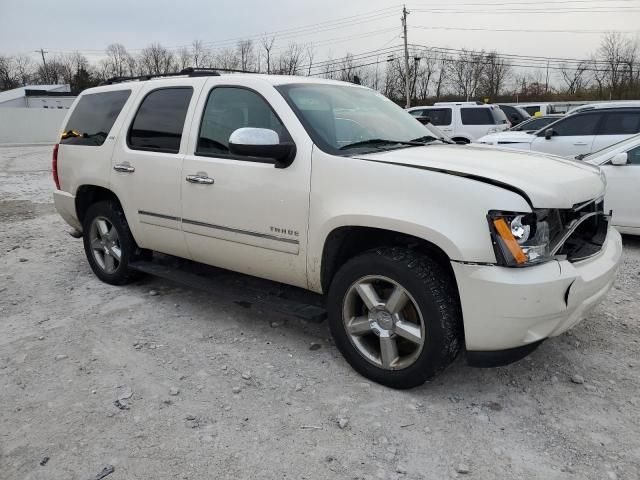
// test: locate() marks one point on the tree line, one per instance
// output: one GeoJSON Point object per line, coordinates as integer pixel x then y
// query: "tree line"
{"type": "Point", "coordinates": [612, 71]}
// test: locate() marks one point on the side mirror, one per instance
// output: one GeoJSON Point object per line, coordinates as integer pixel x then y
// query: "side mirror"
{"type": "Point", "coordinates": [262, 143]}
{"type": "Point", "coordinates": [620, 159]}
{"type": "Point", "coordinates": [548, 133]}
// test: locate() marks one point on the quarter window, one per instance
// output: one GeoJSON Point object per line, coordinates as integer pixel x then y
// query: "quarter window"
{"type": "Point", "coordinates": [621, 123]}
{"type": "Point", "coordinates": [93, 117]}
{"type": "Point", "coordinates": [159, 122]}
{"type": "Point", "coordinates": [577, 125]}
{"type": "Point", "coordinates": [228, 109]}
{"type": "Point", "coordinates": [477, 116]}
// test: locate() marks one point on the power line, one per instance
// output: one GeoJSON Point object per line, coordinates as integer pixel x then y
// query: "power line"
{"type": "Point", "coordinates": [553, 2]}
{"type": "Point", "coordinates": [479, 29]}
{"type": "Point", "coordinates": [531, 11]}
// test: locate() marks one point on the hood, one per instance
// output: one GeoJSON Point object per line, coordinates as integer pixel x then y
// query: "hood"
{"type": "Point", "coordinates": [507, 137]}
{"type": "Point", "coordinates": [544, 180]}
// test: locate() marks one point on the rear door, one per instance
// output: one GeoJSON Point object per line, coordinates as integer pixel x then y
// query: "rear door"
{"type": "Point", "coordinates": [147, 164]}
{"type": "Point", "coordinates": [573, 135]}
{"type": "Point", "coordinates": [477, 121]}
{"type": "Point", "coordinates": [615, 127]}
{"type": "Point", "coordinates": [623, 191]}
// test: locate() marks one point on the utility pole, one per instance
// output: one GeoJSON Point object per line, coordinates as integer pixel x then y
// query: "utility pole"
{"type": "Point", "coordinates": [44, 64]}
{"type": "Point", "coordinates": [405, 12]}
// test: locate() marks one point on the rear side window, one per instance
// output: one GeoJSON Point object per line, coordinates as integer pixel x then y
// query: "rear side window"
{"type": "Point", "coordinates": [577, 125]}
{"type": "Point", "coordinates": [159, 122]}
{"type": "Point", "coordinates": [477, 116]}
{"type": "Point", "coordinates": [417, 113]}
{"type": "Point", "coordinates": [439, 116]}
{"type": "Point", "coordinates": [93, 117]}
{"type": "Point", "coordinates": [620, 123]}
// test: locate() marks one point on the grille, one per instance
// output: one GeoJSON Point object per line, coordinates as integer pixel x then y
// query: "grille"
{"type": "Point", "coordinates": [581, 230]}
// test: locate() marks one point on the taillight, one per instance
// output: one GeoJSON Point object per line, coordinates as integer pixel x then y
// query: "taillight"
{"type": "Point", "coordinates": [54, 166]}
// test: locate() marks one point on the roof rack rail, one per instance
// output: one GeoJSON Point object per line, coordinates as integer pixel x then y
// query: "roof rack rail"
{"type": "Point", "coordinates": [189, 72]}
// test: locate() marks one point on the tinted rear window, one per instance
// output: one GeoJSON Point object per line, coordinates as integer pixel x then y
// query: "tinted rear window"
{"type": "Point", "coordinates": [159, 121]}
{"type": "Point", "coordinates": [93, 117]}
{"type": "Point", "coordinates": [478, 116]}
{"type": "Point", "coordinates": [439, 116]}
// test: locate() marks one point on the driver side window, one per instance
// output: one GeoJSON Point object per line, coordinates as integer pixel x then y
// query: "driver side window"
{"type": "Point", "coordinates": [634, 156]}
{"type": "Point", "coordinates": [230, 108]}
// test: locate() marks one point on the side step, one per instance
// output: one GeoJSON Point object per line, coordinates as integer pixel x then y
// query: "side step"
{"type": "Point", "coordinates": [244, 290]}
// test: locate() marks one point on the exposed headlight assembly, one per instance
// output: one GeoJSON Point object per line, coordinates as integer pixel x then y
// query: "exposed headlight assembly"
{"type": "Point", "coordinates": [520, 239]}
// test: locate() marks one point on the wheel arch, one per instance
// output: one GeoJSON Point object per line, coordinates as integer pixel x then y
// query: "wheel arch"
{"type": "Point", "coordinates": [87, 195]}
{"type": "Point", "coordinates": [347, 241]}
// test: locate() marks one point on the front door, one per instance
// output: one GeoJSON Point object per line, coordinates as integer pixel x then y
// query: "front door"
{"type": "Point", "coordinates": [572, 136]}
{"type": "Point", "coordinates": [243, 213]}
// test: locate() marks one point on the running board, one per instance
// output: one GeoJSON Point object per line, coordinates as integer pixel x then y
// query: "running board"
{"type": "Point", "coordinates": [244, 290]}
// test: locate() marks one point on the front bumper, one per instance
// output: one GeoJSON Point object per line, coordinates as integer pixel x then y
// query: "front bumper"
{"type": "Point", "coordinates": [65, 204]}
{"type": "Point", "coordinates": [507, 308]}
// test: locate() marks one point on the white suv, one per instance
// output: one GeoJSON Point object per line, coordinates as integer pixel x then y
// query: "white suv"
{"type": "Point", "coordinates": [421, 248]}
{"type": "Point", "coordinates": [463, 122]}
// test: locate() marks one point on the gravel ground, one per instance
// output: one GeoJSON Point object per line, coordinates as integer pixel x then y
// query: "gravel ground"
{"type": "Point", "coordinates": [160, 381]}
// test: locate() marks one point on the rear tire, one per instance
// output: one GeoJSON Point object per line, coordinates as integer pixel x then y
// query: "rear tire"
{"type": "Point", "coordinates": [395, 316]}
{"type": "Point", "coordinates": [108, 243]}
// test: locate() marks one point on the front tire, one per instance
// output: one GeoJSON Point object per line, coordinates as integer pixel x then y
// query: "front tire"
{"type": "Point", "coordinates": [395, 316]}
{"type": "Point", "coordinates": [108, 243]}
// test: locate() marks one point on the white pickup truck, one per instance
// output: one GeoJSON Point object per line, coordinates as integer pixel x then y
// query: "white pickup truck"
{"type": "Point", "coordinates": [422, 248]}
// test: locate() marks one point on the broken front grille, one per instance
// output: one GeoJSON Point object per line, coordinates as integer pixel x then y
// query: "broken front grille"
{"type": "Point", "coordinates": [580, 231]}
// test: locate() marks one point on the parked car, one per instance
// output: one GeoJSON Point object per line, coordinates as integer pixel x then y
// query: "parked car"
{"type": "Point", "coordinates": [421, 248]}
{"type": "Point", "coordinates": [575, 134]}
{"type": "Point", "coordinates": [621, 164]}
{"type": "Point", "coordinates": [515, 114]}
{"type": "Point", "coordinates": [463, 122]}
{"type": "Point", "coordinates": [536, 123]}
{"type": "Point", "coordinates": [618, 104]}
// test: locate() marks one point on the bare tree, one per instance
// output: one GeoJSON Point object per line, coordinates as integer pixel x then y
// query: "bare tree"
{"type": "Point", "coordinates": [290, 60]}
{"type": "Point", "coordinates": [574, 77]}
{"type": "Point", "coordinates": [310, 56]}
{"type": "Point", "coordinates": [496, 72]}
{"type": "Point", "coordinates": [426, 71]}
{"type": "Point", "coordinates": [612, 54]}
{"type": "Point", "coordinates": [8, 78]}
{"type": "Point", "coordinates": [184, 58]}
{"type": "Point", "coordinates": [267, 44]}
{"type": "Point", "coordinates": [246, 54]}
{"type": "Point", "coordinates": [200, 54]}
{"type": "Point", "coordinates": [24, 69]}
{"type": "Point", "coordinates": [466, 73]}
{"type": "Point", "coordinates": [227, 59]}
{"type": "Point", "coordinates": [117, 57]}
{"type": "Point", "coordinates": [156, 60]}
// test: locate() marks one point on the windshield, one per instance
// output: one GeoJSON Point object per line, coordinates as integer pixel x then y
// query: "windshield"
{"type": "Point", "coordinates": [606, 152]}
{"type": "Point", "coordinates": [344, 119]}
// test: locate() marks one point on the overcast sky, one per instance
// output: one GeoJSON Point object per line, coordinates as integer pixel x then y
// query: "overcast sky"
{"type": "Point", "coordinates": [89, 26]}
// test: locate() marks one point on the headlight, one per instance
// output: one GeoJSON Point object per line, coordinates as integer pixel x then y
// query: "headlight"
{"type": "Point", "coordinates": [520, 239]}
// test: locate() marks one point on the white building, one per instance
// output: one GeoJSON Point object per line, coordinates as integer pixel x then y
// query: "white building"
{"type": "Point", "coordinates": [57, 97]}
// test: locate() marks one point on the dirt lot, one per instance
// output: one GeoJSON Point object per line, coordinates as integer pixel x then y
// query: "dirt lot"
{"type": "Point", "coordinates": [175, 358]}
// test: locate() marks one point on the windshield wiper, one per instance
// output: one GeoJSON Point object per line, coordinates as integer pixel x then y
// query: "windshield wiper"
{"type": "Point", "coordinates": [428, 139]}
{"type": "Point", "coordinates": [376, 142]}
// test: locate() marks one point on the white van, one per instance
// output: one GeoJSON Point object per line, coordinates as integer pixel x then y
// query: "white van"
{"type": "Point", "coordinates": [464, 122]}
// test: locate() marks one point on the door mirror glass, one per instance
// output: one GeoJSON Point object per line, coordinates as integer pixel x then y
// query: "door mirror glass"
{"type": "Point", "coordinates": [261, 143]}
{"type": "Point", "coordinates": [548, 133]}
{"type": "Point", "coordinates": [620, 159]}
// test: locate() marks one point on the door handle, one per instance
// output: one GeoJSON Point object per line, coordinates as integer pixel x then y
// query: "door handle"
{"type": "Point", "coordinates": [124, 167]}
{"type": "Point", "coordinates": [580, 144]}
{"type": "Point", "coordinates": [200, 179]}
